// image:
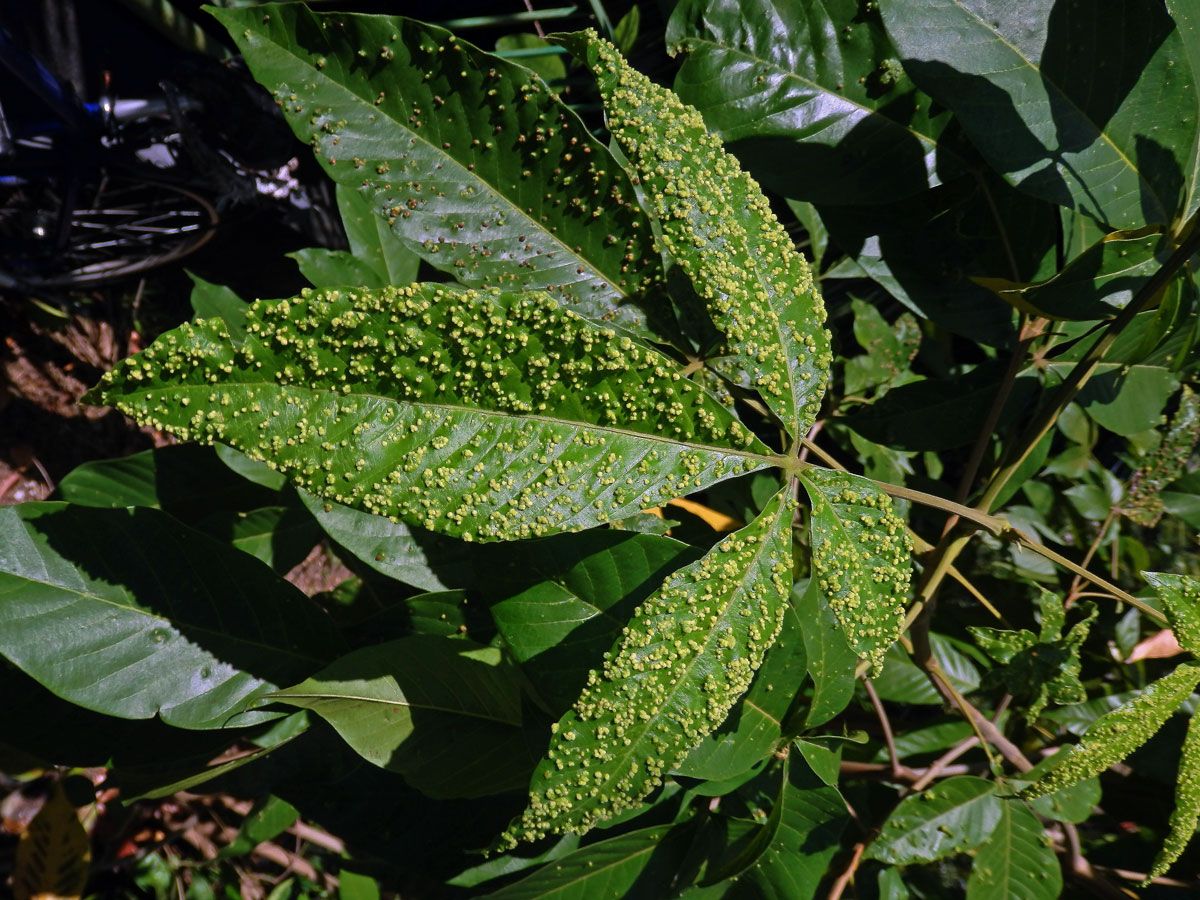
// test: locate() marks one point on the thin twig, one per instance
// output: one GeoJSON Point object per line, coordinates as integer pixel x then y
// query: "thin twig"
{"type": "Point", "coordinates": [888, 738]}
{"type": "Point", "coordinates": [941, 765]}
{"type": "Point", "coordinates": [1077, 582]}
{"type": "Point", "coordinates": [847, 875]}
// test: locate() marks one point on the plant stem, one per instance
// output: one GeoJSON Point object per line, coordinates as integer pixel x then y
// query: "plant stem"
{"type": "Point", "coordinates": [888, 738]}
{"type": "Point", "coordinates": [1081, 572]}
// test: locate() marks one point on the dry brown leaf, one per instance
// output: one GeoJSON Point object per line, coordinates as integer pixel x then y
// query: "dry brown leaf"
{"type": "Point", "coordinates": [1157, 646]}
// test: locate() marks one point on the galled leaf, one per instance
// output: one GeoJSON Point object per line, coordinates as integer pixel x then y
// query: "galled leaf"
{"type": "Point", "coordinates": [756, 724]}
{"type": "Point", "coordinates": [1180, 595]}
{"type": "Point", "coordinates": [830, 660]}
{"type": "Point", "coordinates": [689, 653]}
{"type": "Point", "coordinates": [1116, 734]}
{"type": "Point", "coordinates": [482, 415]}
{"type": "Point", "coordinates": [1187, 803]}
{"type": "Point", "coordinates": [1144, 503]}
{"type": "Point", "coordinates": [1045, 665]}
{"type": "Point", "coordinates": [860, 552]}
{"type": "Point", "coordinates": [456, 149]}
{"type": "Point", "coordinates": [719, 228]}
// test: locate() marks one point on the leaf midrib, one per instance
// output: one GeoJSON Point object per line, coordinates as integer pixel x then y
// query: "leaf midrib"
{"type": "Point", "coordinates": [765, 458]}
{"type": "Point", "coordinates": [405, 702]}
{"type": "Point", "coordinates": [462, 172]}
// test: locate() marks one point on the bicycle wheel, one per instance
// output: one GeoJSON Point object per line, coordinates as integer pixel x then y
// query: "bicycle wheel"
{"type": "Point", "coordinates": [120, 224]}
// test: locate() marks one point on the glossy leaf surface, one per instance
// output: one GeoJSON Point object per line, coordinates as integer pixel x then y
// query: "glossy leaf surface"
{"type": "Point", "coordinates": [811, 817]}
{"type": "Point", "coordinates": [105, 608]}
{"type": "Point", "coordinates": [690, 652]}
{"type": "Point", "coordinates": [812, 95]}
{"type": "Point", "coordinates": [456, 149]}
{"type": "Point", "coordinates": [1114, 142]}
{"type": "Point", "coordinates": [719, 229]}
{"type": "Point", "coordinates": [475, 414]}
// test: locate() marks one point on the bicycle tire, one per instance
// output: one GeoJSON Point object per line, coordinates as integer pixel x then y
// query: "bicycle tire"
{"type": "Point", "coordinates": [128, 224]}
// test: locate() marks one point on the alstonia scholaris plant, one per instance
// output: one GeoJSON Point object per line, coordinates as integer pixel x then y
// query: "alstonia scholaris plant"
{"type": "Point", "coordinates": [545, 404]}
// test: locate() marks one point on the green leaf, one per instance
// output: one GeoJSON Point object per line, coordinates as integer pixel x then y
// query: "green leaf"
{"type": "Point", "coordinates": [690, 652]}
{"type": "Point", "coordinates": [1053, 126]}
{"type": "Point", "coordinates": [455, 149]}
{"type": "Point", "coordinates": [625, 35]}
{"type": "Point", "coordinates": [743, 852]}
{"type": "Point", "coordinates": [890, 348]}
{"type": "Point", "coordinates": [892, 886]}
{"type": "Point", "coordinates": [1073, 804]}
{"type": "Point", "coordinates": [1187, 25]}
{"type": "Point", "coordinates": [756, 724]}
{"type": "Point", "coordinates": [1187, 803]}
{"type": "Point", "coordinates": [548, 65]}
{"type": "Point", "coordinates": [861, 562]}
{"type": "Point", "coordinates": [814, 96]}
{"type": "Point", "coordinates": [475, 414]}
{"type": "Point", "coordinates": [441, 712]}
{"type": "Point", "coordinates": [831, 661]}
{"type": "Point", "coordinates": [1126, 400]}
{"type": "Point", "coordinates": [186, 480]}
{"type": "Point", "coordinates": [810, 818]}
{"type": "Point", "coordinates": [104, 607]}
{"type": "Point", "coordinates": [215, 301]}
{"type": "Point", "coordinates": [414, 556]}
{"type": "Point", "coordinates": [1116, 734]}
{"type": "Point", "coordinates": [954, 815]}
{"type": "Point", "coordinates": [192, 484]}
{"type": "Point", "coordinates": [353, 886]}
{"type": "Point", "coordinates": [510, 863]}
{"type": "Point", "coordinates": [1046, 665]}
{"type": "Point", "coordinates": [371, 239]}
{"type": "Point", "coordinates": [1180, 597]}
{"type": "Point", "coordinates": [333, 268]}
{"type": "Point", "coordinates": [268, 818]}
{"type": "Point", "coordinates": [719, 229]}
{"type": "Point", "coordinates": [606, 869]}
{"type": "Point", "coordinates": [1095, 285]}
{"type": "Point", "coordinates": [1015, 862]}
